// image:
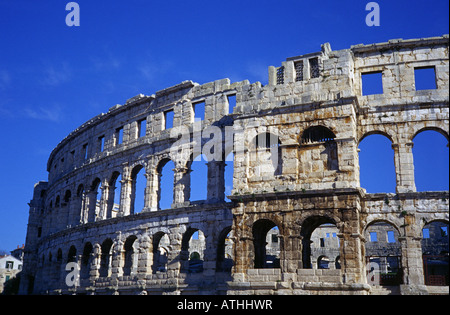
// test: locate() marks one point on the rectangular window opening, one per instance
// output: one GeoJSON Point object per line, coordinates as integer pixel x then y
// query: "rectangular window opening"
{"type": "Point", "coordinates": [199, 111]}
{"type": "Point", "coordinates": [372, 83]}
{"type": "Point", "coordinates": [298, 71]}
{"type": "Point", "coordinates": [425, 78]}
{"type": "Point", "coordinates": [314, 70]}
{"type": "Point", "coordinates": [280, 75]}
{"type": "Point", "coordinates": [373, 237]}
{"type": "Point", "coordinates": [142, 128]}
{"type": "Point", "coordinates": [85, 151]}
{"type": "Point", "coordinates": [390, 237]}
{"type": "Point", "coordinates": [231, 103]}
{"type": "Point", "coordinates": [101, 141]}
{"type": "Point", "coordinates": [168, 119]}
{"type": "Point", "coordinates": [426, 233]}
{"type": "Point", "coordinates": [119, 136]}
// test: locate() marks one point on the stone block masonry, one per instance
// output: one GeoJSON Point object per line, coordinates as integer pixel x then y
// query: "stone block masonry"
{"type": "Point", "coordinates": [295, 167]}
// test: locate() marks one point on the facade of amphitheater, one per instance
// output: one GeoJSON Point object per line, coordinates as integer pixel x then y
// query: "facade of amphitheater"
{"type": "Point", "coordinates": [297, 220]}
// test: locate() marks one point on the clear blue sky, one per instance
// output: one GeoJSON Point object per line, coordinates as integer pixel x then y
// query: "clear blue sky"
{"type": "Point", "coordinates": [53, 77]}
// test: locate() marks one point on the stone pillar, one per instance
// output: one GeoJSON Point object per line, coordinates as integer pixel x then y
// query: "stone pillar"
{"type": "Point", "coordinates": [216, 181]}
{"type": "Point", "coordinates": [404, 167]}
{"type": "Point", "coordinates": [144, 261]}
{"type": "Point", "coordinates": [181, 191]}
{"type": "Point", "coordinates": [125, 196]}
{"type": "Point", "coordinates": [103, 201]}
{"type": "Point", "coordinates": [351, 240]}
{"type": "Point", "coordinates": [91, 205]}
{"type": "Point", "coordinates": [412, 263]}
{"type": "Point", "coordinates": [151, 191]}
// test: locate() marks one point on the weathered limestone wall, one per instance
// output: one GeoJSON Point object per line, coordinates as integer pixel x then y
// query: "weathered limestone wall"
{"type": "Point", "coordinates": [296, 166]}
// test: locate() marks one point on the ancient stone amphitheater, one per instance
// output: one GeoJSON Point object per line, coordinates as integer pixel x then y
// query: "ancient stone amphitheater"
{"type": "Point", "coordinates": [292, 146]}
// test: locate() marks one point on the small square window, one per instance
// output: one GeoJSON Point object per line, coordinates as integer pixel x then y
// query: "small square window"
{"type": "Point", "coordinates": [426, 233]}
{"type": "Point", "coordinates": [425, 78]}
{"type": "Point", "coordinates": [373, 237]}
{"type": "Point", "coordinates": [372, 83]}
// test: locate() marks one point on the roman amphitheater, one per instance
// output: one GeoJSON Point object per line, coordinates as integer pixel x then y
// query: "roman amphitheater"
{"type": "Point", "coordinates": [296, 221]}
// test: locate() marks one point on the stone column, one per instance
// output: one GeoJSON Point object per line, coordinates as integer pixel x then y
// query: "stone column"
{"type": "Point", "coordinates": [151, 190]}
{"type": "Point", "coordinates": [181, 185]}
{"type": "Point", "coordinates": [216, 181]}
{"type": "Point", "coordinates": [103, 201]}
{"type": "Point", "coordinates": [125, 196]}
{"type": "Point", "coordinates": [412, 263]}
{"type": "Point", "coordinates": [404, 167]}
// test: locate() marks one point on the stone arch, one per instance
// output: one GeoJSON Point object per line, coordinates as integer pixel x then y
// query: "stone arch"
{"type": "Point", "coordinates": [94, 199]}
{"type": "Point", "coordinates": [266, 154]}
{"type": "Point", "coordinates": [160, 251]}
{"type": "Point", "coordinates": [260, 232]}
{"type": "Point", "coordinates": [106, 249]}
{"type": "Point", "coordinates": [431, 159]}
{"type": "Point", "coordinates": [86, 260]}
{"type": "Point", "coordinates": [224, 257]}
{"type": "Point", "coordinates": [383, 250]}
{"type": "Point", "coordinates": [113, 202]}
{"type": "Point", "coordinates": [433, 126]}
{"type": "Point", "coordinates": [138, 186]}
{"type": "Point", "coordinates": [316, 133]}
{"type": "Point", "coordinates": [166, 183]}
{"type": "Point", "coordinates": [308, 226]}
{"type": "Point", "coordinates": [129, 256]}
{"type": "Point", "coordinates": [190, 245]}
{"type": "Point", "coordinates": [318, 151]}
{"type": "Point", "coordinates": [72, 254]}
{"type": "Point", "coordinates": [377, 167]}
{"type": "Point", "coordinates": [197, 173]}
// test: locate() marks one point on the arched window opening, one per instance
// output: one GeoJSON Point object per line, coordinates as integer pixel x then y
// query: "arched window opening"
{"type": "Point", "coordinates": [435, 251]}
{"type": "Point", "coordinates": [198, 173]}
{"type": "Point", "coordinates": [320, 238]}
{"type": "Point", "coordinates": [383, 252]}
{"type": "Point", "coordinates": [228, 175]}
{"type": "Point", "coordinates": [115, 187]}
{"type": "Point", "coordinates": [72, 255]}
{"type": "Point", "coordinates": [192, 247]}
{"type": "Point", "coordinates": [105, 258]}
{"type": "Point", "coordinates": [67, 197]}
{"type": "Point", "coordinates": [86, 261]}
{"type": "Point", "coordinates": [129, 261]}
{"type": "Point", "coordinates": [94, 200]}
{"type": "Point", "coordinates": [165, 184]}
{"type": "Point", "coordinates": [266, 159]}
{"type": "Point", "coordinates": [161, 244]}
{"type": "Point", "coordinates": [224, 261]}
{"type": "Point", "coordinates": [318, 151]}
{"type": "Point", "coordinates": [266, 244]}
{"type": "Point", "coordinates": [431, 161]}
{"type": "Point", "coordinates": [376, 164]}
{"type": "Point", "coordinates": [325, 246]}
{"type": "Point", "coordinates": [138, 185]}
{"type": "Point", "coordinates": [317, 134]}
